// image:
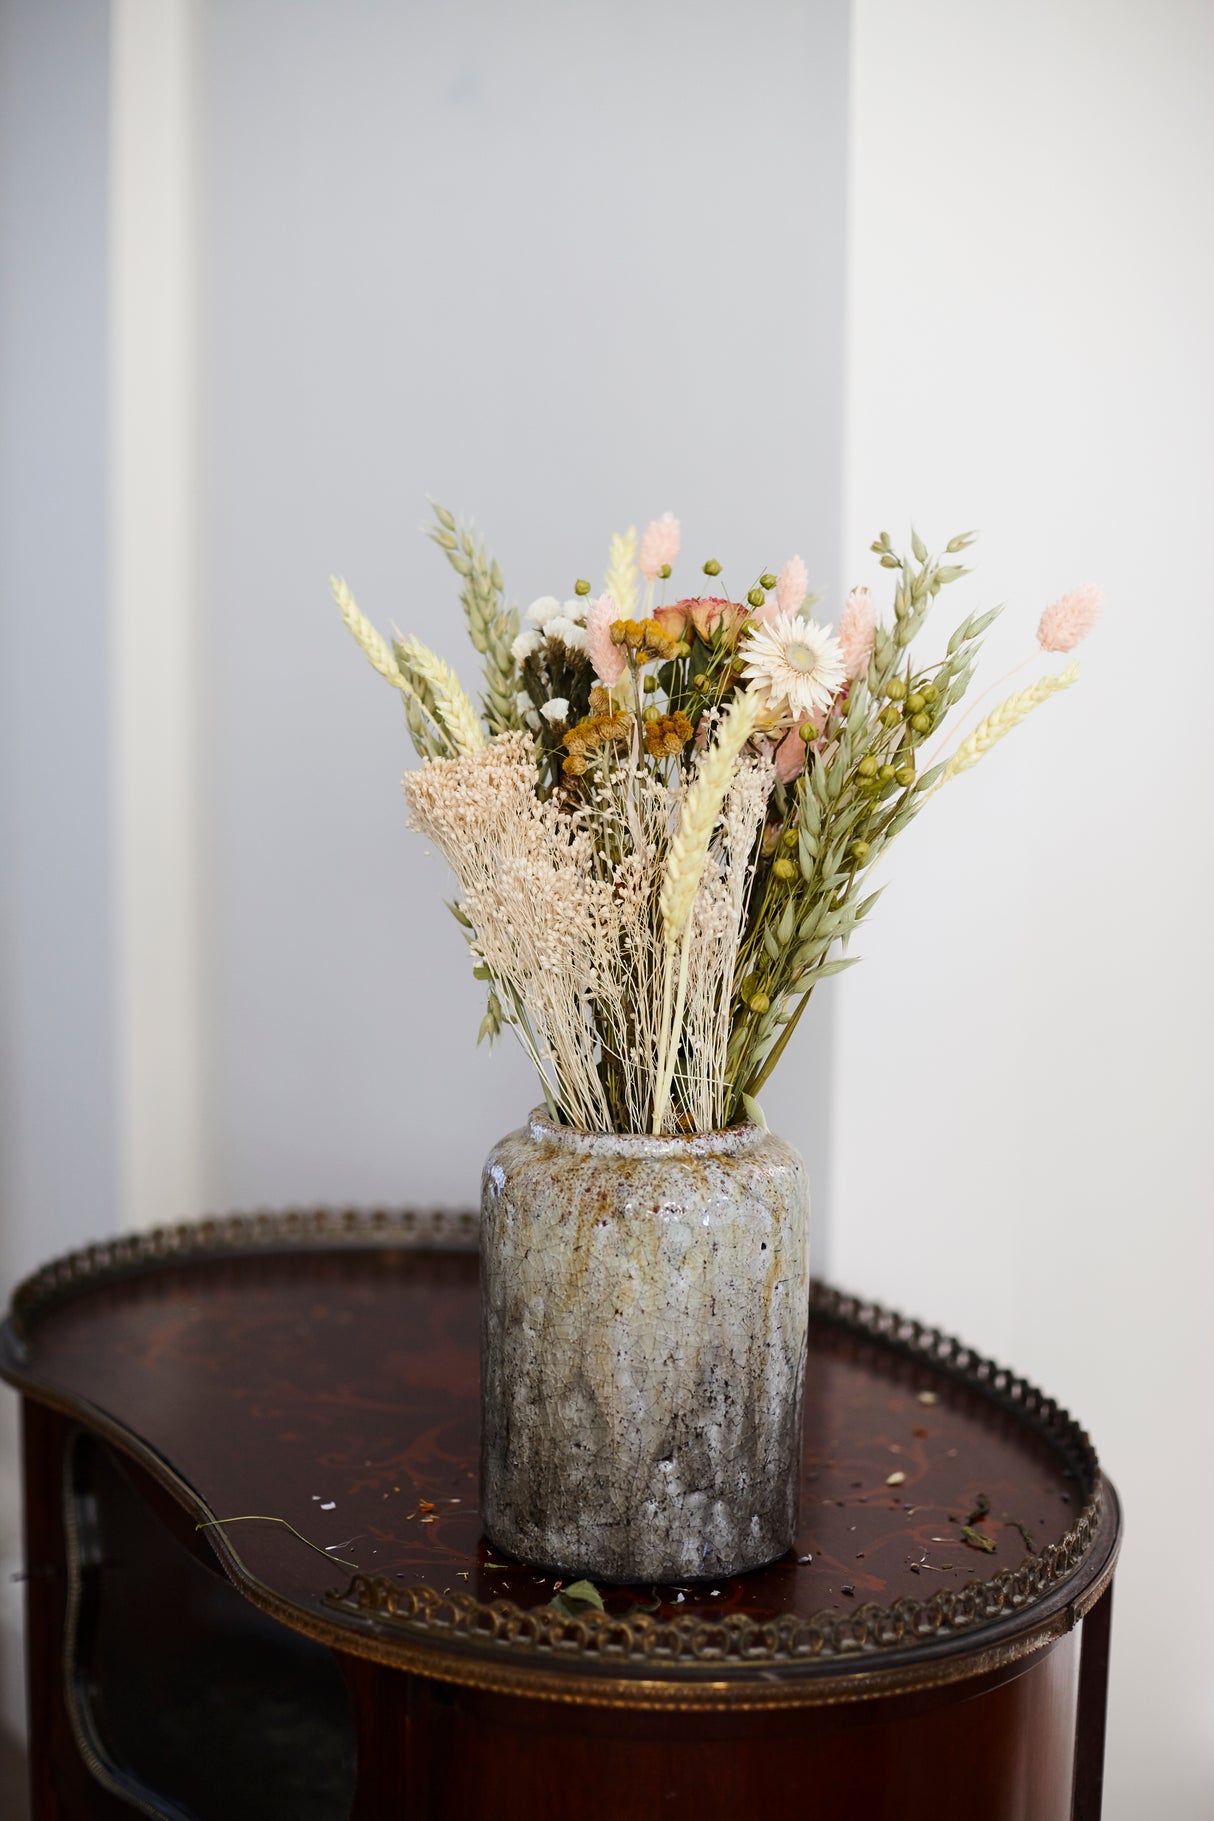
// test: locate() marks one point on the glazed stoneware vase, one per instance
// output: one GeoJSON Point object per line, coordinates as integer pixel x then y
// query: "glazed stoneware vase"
{"type": "Point", "coordinates": [645, 1313]}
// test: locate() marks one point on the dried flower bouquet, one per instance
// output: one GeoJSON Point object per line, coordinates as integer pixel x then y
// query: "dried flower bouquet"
{"type": "Point", "coordinates": [662, 816]}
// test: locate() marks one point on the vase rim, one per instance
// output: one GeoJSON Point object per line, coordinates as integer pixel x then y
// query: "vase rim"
{"type": "Point", "coordinates": [727, 1141]}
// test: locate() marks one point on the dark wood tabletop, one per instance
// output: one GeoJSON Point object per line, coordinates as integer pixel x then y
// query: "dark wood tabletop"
{"type": "Point", "coordinates": [322, 1370]}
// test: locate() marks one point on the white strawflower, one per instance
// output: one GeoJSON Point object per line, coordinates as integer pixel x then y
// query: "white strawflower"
{"type": "Point", "coordinates": [524, 645]}
{"type": "Point", "coordinates": [571, 635]}
{"type": "Point", "coordinates": [542, 610]}
{"type": "Point", "coordinates": [795, 662]}
{"type": "Point", "coordinates": [556, 710]}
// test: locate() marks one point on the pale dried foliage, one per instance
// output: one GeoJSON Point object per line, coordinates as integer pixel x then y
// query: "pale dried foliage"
{"type": "Point", "coordinates": [700, 809]}
{"type": "Point", "coordinates": [375, 647]}
{"type": "Point", "coordinates": [623, 579]}
{"type": "Point", "coordinates": [563, 904]}
{"type": "Point", "coordinates": [1000, 722]}
{"type": "Point", "coordinates": [711, 942]}
{"type": "Point", "coordinates": [652, 906]}
{"type": "Point", "coordinates": [683, 876]}
{"type": "Point", "coordinates": [453, 704]}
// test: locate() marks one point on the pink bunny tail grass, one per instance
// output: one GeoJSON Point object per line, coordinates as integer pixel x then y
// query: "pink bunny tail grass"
{"type": "Point", "coordinates": [608, 659]}
{"type": "Point", "coordinates": [792, 586]}
{"type": "Point", "coordinates": [856, 631]}
{"type": "Point", "coordinates": [659, 546]}
{"type": "Point", "coordinates": [1070, 619]}
{"type": "Point", "coordinates": [769, 611]}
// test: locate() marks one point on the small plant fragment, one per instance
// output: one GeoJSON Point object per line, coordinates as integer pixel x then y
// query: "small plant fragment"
{"type": "Point", "coordinates": [257, 1517]}
{"type": "Point", "coordinates": [579, 1597]}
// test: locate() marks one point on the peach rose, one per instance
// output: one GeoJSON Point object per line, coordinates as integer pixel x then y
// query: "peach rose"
{"type": "Point", "coordinates": [704, 614]}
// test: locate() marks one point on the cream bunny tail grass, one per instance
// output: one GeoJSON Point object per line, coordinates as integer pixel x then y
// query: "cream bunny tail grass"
{"type": "Point", "coordinates": [623, 578]}
{"type": "Point", "coordinates": [701, 807]}
{"type": "Point", "coordinates": [1001, 720]}
{"type": "Point", "coordinates": [452, 704]}
{"type": "Point", "coordinates": [376, 649]}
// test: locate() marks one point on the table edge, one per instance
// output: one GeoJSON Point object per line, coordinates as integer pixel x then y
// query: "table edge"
{"type": "Point", "coordinates": [461, 1640]}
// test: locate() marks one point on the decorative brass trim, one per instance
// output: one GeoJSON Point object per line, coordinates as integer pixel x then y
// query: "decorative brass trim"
{"type": "Point", "coordinates": [267, 1230]}
{"type": "Point", "coordinates": [692, 1661]}
{"type": "Point", "coordinates": [980, 1664]}
{"type": "Point", "coordinates": [733, 1642]}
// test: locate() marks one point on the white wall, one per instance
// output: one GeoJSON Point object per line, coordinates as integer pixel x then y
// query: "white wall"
{"type": "Point", "coordinates": [1021, 1142]}
{"type": "Point", "coordinates": [153, 606]}
{"type": "Point", "coordinates": [58, 1143]}
{"type": "Point", "coordinates": [270, 273]}
{"type": "Point", "coordinates": [563, 267]}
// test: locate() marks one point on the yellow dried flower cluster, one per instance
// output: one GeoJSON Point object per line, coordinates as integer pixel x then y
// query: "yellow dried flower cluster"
{"type": "Point", "coordinates": [644, 639]}
{"type": "Point", "coordinates": [610, 729]}
{"type": "Point", "coordinates": [666, 736]}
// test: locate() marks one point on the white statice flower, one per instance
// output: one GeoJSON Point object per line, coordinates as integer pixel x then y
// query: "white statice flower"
{"type": "Point", "coordinates": [532, 720]}
{"type": "Point", "coordinates": [522, 702]}
{"type": "Point", "coordinates": [556, 710]}
{"type": "Point", "coordinates": [575, 609]}
{"type": "Point", "coordinates": [571, 635]}
{"type": "Point", "coordinates": [542, 610]}
{"type": "Point", "coordinates": [795, 664]}
{"type": "Point", "coordinates": [524, 645]}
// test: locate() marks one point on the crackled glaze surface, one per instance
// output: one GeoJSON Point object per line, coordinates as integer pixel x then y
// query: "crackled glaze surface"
{"type": "Point", "coordinates": [644, 1323]}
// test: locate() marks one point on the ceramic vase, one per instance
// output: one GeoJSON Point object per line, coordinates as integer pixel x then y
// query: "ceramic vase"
{"type": "Point", "coordinates": [645, 1311]}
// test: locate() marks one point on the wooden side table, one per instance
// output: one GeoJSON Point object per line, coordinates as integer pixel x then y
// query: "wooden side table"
{"type": "Point", "coordinates": [936, 1645]}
